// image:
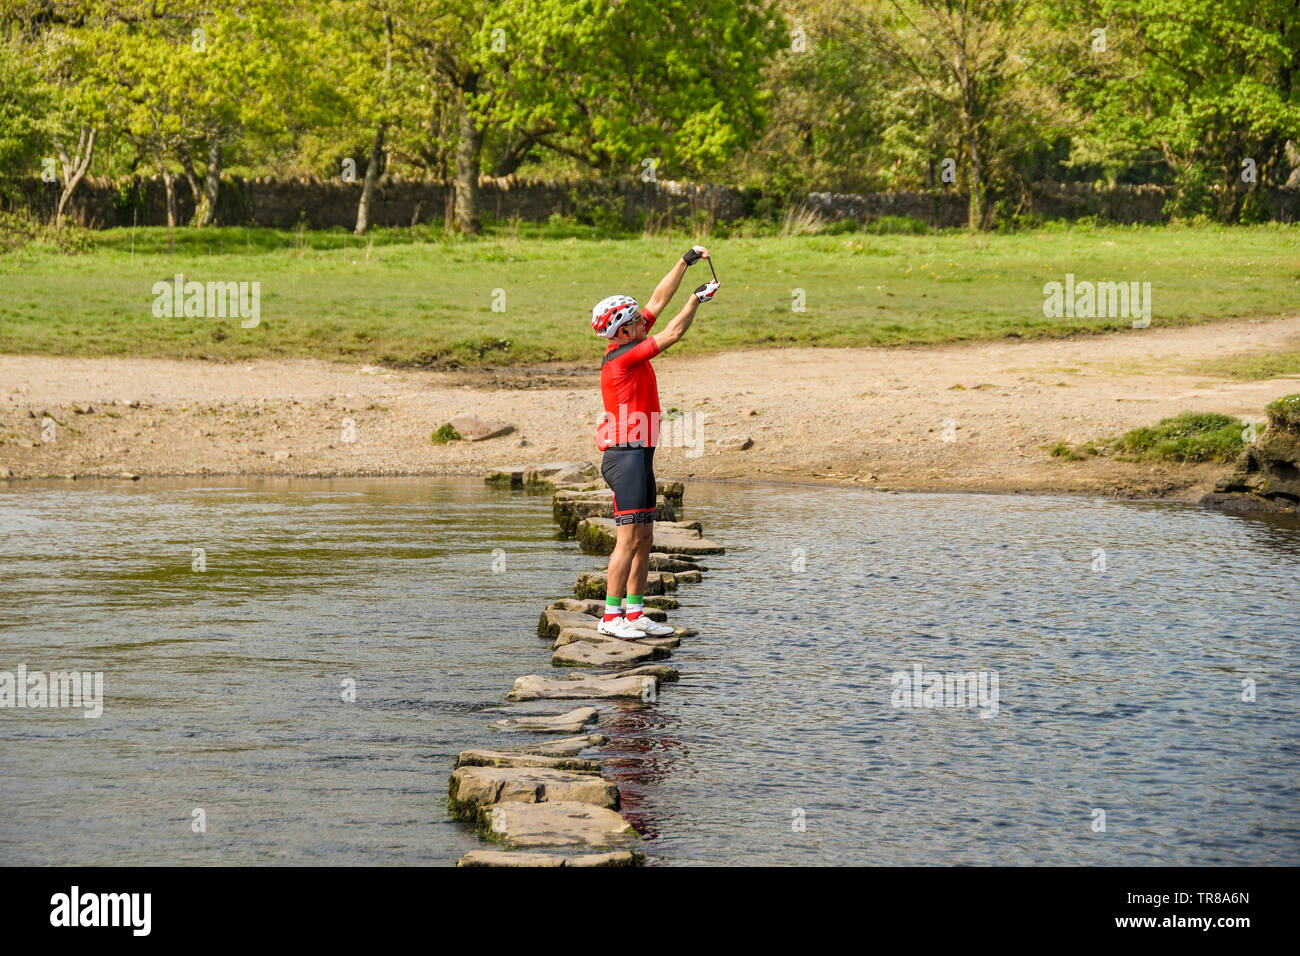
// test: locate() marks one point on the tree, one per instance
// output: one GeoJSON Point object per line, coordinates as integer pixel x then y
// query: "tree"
{"type": "Point", "coordinates": [976, 71]}
{"type": "Point", "coordinates": [608, 84]}
{"type": "Point", "coordinates": [1210, 84]}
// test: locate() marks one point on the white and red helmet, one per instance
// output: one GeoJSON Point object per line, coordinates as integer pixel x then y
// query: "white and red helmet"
{"type": "Point", "coordinates": [611, 314]}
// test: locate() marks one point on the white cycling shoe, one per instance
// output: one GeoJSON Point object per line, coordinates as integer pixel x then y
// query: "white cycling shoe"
{"type": "Point", "coordinates": [621, 628]}
{"type": "Point", "coordinates": [652, 628]}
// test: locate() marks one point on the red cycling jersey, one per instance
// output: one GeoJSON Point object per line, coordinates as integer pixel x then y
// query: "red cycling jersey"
{"type": "Point", "coordinates": [630, 393]}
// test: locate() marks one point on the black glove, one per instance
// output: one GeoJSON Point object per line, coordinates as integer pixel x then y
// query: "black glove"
{"type": "Point", "coordinates": [693, 255]}
{"type": "Point", "coordinates": [705, 292]}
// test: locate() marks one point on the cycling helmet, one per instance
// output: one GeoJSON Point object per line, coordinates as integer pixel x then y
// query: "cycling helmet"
{"type": "Point", "coordinates": [611, 314]}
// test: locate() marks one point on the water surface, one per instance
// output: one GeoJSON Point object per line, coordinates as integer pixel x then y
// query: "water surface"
{"type": "Point", "coordinates": [1120, 689]}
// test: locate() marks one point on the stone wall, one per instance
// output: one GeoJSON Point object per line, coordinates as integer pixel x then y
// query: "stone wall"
{"type": "Point", "coordinates": [286, 203]}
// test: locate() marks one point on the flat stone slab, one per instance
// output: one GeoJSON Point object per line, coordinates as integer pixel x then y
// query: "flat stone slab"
{"type": "Point", "coordinates": [661, 672]}
{"type": "Point", "coordinates": [551, 473]}
{"type": "Point", "coordinates": [535, 687]}
{"type": "Point", "coordinates": [558, 824]}
{"type": "Point", "coordinates": [604, 654]}
{"type": "Point", "coordinates": [597, 536]}
{"type": "Point", "coordinates": [591, 584]}
{"type": "Point", "coordinates": [506, 758]}
{"type": "Point", "coordinates": [564, 747]}
{"type": "Point", "coordinates": [531, 859]}
{"type": "Point", "coordinates": [662, 602]}
{"type": "Point", "coordinates": [664, 643]}
{"type": "Point", "coordinates": [589, 635]}
{"type": "Point", "coordinates": [570, 723]}
{"type": "Point", "coordinates": [472, 789]}
{"type": "Point", "coordinates": [673, 562]}
{"type": "Point", "coordinates": [554, 620]}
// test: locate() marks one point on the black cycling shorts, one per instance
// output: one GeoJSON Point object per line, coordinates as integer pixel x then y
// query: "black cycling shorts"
{"type": "Point", "coordinates": [630, 474]}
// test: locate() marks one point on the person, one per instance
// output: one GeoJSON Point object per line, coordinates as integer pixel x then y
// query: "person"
{"type": "Point", "coordinates": [628, 433]}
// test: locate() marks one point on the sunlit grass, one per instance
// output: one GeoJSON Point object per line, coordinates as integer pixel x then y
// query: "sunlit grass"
{"type": "Point", "coordinates": [414, 297]}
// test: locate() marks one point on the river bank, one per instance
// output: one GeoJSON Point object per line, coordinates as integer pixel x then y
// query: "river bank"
{"type": "Point", "coordinates": [970, 417]}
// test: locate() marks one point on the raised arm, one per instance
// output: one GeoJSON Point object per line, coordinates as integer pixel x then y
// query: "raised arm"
{"type": "Point", "coordinates": [667, 287]}
{"type": "Point", "coordinates": [674, 330]}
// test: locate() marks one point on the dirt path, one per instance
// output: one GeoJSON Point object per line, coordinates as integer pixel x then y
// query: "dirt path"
{"type": "Point", "coordinates": [889, 418]}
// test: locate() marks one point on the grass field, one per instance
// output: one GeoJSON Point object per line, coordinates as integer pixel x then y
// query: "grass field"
{"type": "Point", "coordinates": [412, 297]}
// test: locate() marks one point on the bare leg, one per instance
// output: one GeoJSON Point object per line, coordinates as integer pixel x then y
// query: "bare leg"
{"type": "Point", "coordinates": [639, 568]}
{"type": "Point", "coordinates": [620, 562]}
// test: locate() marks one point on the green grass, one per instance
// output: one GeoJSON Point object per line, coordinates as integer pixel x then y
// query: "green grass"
{"type": "Point", "coordinates": [1254, 366]}
{"type": "Point", "coordinates": [1189, 437]}
{"type": "Point", "coordinates": [1286, 411]}
{"type": "Point", "coordinates": [414, 298]}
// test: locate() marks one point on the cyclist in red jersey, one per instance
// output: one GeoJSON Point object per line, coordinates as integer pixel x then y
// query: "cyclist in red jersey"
{"type": "Point", "coordinates": [628, 432]}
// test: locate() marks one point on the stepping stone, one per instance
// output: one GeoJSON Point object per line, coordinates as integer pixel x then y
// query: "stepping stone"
{"type": "Point", "coordinates": [570, 723]}
{"type": "Point", "coordinates": [526, 858]}
{"type": "Point", "coordinates": [604, 654]}
{"type": "Point", "coordinates": [564, 747]}
{"type": "Point", "coordinates": [597, 536]}
{"type": "Point", "coordinates": [472, 789]}
{"type": "Point", "coordinates": [589, 635]}
{"type": "Point", "coordinates": [591, 584]}
{"type": "Point", "coordinates": [557, 824]}
{"type": "Point", "coordinates": [661, 672]}
{"type": "Point", "coordinates": [672, 490]}
{"type": "Point", "coordinates": [688, 577]}
{"type": "Point", "coordinates": [672, 562]}
{"type": "Point", "coordinates": [554, 620]}
{"type": "Point", "coordinates": [662, 603]}
{"type": "Point", "coordinates": [506, 758]}
{"type": "Point", "coordinates": [552, 473]}
{"type": "Point", "coordinates": [534, 687]}
{"type": "Point", "coordinates": [665, 643]}
{"type": "Point", "coordinates": [596, 607]}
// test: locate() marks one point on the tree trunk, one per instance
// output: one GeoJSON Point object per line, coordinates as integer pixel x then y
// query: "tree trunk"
{"type": "Point", "coordinates": [191, 177]}
{"type": "Point", "coordinates": [373, 172]}
{"type": "Point", "coordinates": [169, 186]}
{"type": "Point", "coordinates": [375, 166]}
{"type": "Point", "coordinates": [469, 147]}
{"type": "Point", "coordinates": [206, 214]}
{"type": "Point", "coordinates": [74, 169]}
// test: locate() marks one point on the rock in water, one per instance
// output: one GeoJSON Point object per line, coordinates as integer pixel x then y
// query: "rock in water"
{"type": "Point", "coordinates": [507, 758]}
{"type": "Point", "coordinates": [605, 654]}
{"type": "Point", "coordinates": [591, 585]}
{"type": "Point", "coordinates": [570, 723]}
{"type": "Point", "coordinates": [534, 687]}
{"type": "Point", "coordinates": [597, 536]}
{"type": "Point", "coordinates": [557, 824]}
{"type": "Point", "coordinates": [1267, 475]}
{"type": "Point", "coordinates": [473, 788]}
{"type": "Point", "coordinates": [564, 747]}
{"type": "Point", "coordinates": [525, 858]}
{"type": "Point", "coordinates": [554, 620]}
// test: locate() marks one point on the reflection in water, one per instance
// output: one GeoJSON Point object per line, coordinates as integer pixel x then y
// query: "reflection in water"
{"type": "Point", "coordinates": [1123, 635]}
